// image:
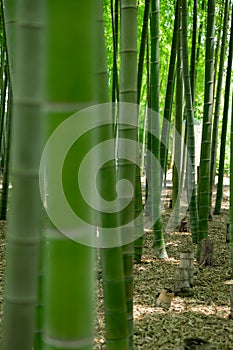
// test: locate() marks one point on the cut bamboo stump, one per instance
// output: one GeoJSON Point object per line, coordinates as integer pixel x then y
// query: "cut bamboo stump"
{"type": "Point", "coordinates": [165, 298]}
{"type": "Point", "coordinates": [196, 344]}
{"type": "Point", "coordinates": [181, 281]}
{"type": "Point", "coordinates": [187, 261]}
{"type": "Point", "coordinates": [184, 274]}
{"type": "Point", "coordinates": [207, 252]}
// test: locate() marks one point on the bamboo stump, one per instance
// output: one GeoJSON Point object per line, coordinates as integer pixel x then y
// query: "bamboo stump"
{"type": "Point", "coordinates": [181, 281]}
{"type": "Point", "coordinates": [207, 251]}
{"type": "Point", "coordinates": [165, 298]}
{"type": "Point", "coordinates": [187, 261]}
{"type": "Point", "coordinates": [196, 344]}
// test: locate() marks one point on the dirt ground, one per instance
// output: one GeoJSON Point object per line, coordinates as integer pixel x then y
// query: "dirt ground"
{"type": "Point", "coordinates": [205, 314]}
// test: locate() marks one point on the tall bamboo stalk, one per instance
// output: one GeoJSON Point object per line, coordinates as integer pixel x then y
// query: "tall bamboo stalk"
{"type": "Point", "coordinates": [190, 128]}
{"type": "Point", "coordinates": [177, 165]}
{"type": "Point", "coordinates": [142, 48]}
{"type": "Point", "coordinates": [115, 85]}
{"type": "Point", "coordinates": [23, 233]}
{"type": "Point", "coordinates": [127, 170]}
{"type": "Point", "coordinates": [204, 170]}
{"type": "Point", "coordinates": [231, 190]}
{"type": "Point", "coordinates": [154, 128]}
{"type": "Point", "coordinates": [9, 12]}
{"type": "Point", "coordinates": [70, 81]}
{"type": "Point", "coordinates": [115, 311]}
{"type": "Point", "coordinates": [193, 53]}
{"type": "Point", "coordinates": [6, 155]}
{"type": "Point", "coordinates": [224, 123]}
{"type": "Point", "coordinates": [218, 102]}
{"type": "Point", "coordinates": [138, 244]}
{"type": "Point", "coordinates": [169, 95]}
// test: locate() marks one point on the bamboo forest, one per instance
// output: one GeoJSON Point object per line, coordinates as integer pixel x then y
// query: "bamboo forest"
{"type": "Point", "coordinates": [116, 175]}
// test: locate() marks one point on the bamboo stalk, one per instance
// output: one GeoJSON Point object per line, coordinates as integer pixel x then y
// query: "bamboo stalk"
{"type": "Point", "coordinates": [23, 233]}
{"type": "Point", "coordinates": [224, 123]}
{"type": "Point", "coordinates": [127, 170]}
{"type": "Point", "coordinates": [190, 129]}
{"type": "Point", "coordinates": [204, 170]}
{"type": "Point", "coordinates": [68, 291]}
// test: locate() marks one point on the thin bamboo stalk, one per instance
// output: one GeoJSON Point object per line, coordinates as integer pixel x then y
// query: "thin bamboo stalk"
{"type": "Point", "coordinates": [224, 124]}
{"type": "Point", "coordinates": [142, 48]}
{"type": "Point", "coordinates": [154, 128]}
{"type": "Point", "coordinates": [231, 192]}
{"type": "Point", "coordinates": [176, 178]}
{"type": "Point", "coordinates": [218, 101]}
{"type": "Point", "coordinates": [9, 13]}
{"type": "Point", "coordinates": [169, 95]}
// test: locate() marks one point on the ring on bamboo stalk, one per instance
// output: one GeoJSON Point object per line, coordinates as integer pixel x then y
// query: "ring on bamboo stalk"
{"type": "Point", "coordinates": [187, 261]}
{"type": "Point", "coordinates": [207, 251]}
{"type": "Point", "coordinates": [165, 298]}
{"type": "Point", "coordinates": [196, 344]}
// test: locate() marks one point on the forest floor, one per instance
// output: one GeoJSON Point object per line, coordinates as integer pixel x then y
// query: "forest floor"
{"type": "Point", "coordinates": [205, 314]}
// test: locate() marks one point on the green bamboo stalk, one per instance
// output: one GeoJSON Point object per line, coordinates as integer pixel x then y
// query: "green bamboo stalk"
{"type": "Point", "coordinates": [218, 102]}
{"type": "Point", "coordinates": [23, 234]}
{"type": "Point", "coordinates": [169, 96]}
{"type": "Point", "coordinates": [224, 123]}
{"type": "Point", "coordinates": [70, 82]}
{"type": "Point", "coordinates": [115, 85]}
{"type": "Point", "coordinates": [231, 190]}
{"type": "Point", "coordinates": [6, 114]}
{"type": "Point", "coordinates": [128, 94]}
{"type": "Point", "coordinates": [3, 104]}
{"type": "Point", "coordinates": [148, 137]}
{"type": "Point", "coordinates": [154, 126]}
{"type": "Point", "coordinates": [38, 331]}
{"type": "Point", "coordinates": [116, 316]}
{"type": "Point", "coordinates": [3, 82]}
{"type": "Point", "coordinates": [6, 161]}
{"type": "Point", "coordinates": [142, 48]}
{"type": "Point", "coordinates": [199, 43]}
{"type": "Point", "coordinates": [176, 178]}
{"type": "Point", "coordinates": [115, 311]}
{"type": "Point", "coordinates": [139, 229]}
{"type": "Point", "coordinates": [190, 128]}
{"type": "Point", "coordinates": [9, 14]}
{"type": "Point", "coordinates": [193, 52]}
{"type": "Point", "coordinates": [204, 169]}
{"type": "Point", "coordinates": [219, 25]}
